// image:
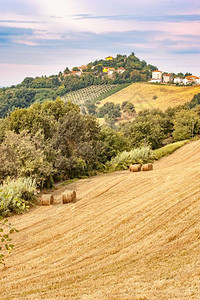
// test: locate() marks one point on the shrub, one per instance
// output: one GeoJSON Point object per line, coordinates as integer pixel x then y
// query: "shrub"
{"type": "Point", "coordinates": [6, 229]}
{"type": "Point", "coordinates": [168, 149]}
{"type": "Point", "coordinates": [16, 195]}
{"type": "Point", "coordinates": [124, 159]}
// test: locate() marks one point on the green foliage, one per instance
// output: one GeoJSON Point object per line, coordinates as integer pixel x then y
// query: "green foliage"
{"type": "Point", "coordinates": [54, 141]}
{"type": "Point", "coordinates": [16, 195]}
{"type": "Point", "coordinates": [148, 128]}
{"type": "Point", "coordinates": [75, 69]}
{"type": "Point", "coordinates": [6, 229]}
{"type": "Point", "coordinates": [128, 108]}
{"type": "Point", "coordinates": [20, 156]}
{"type": "Point", "coordinates": [195, 101]}
{"type": "Point", "coordinates": [49, 141]}
{"type": "Point", "coordinates": [91, 107]}
{"type": "Point", "coordinates": [186, 125]}
{"type": "Point", "coordinates": [111, 110]}
{"type": "Point", "coordinates": [113, 143]}
{"type": "Point", "coordinates": [136, 70]}
{"type": "Point", "coordinates": [169, 149]}
{"type": "Point", "coordinates": [135, 156]}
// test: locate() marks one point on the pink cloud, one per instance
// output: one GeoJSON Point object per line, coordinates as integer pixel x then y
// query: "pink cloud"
{"type": "Point", "coordinates": [28, 43]}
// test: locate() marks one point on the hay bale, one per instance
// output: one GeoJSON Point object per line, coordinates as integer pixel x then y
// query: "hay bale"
{"type": "Point", "coordinates": [135, 168]}
{"type": "Point", "coordinates": [147, 167]}
{"type": "Point", "coordinates": [150, 167]}
{"type": "Point", "coordinates": [47, 199]}
{"type": "Point", "coordinates": [68, 197]}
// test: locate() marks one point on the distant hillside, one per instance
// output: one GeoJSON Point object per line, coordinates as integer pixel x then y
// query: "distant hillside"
{"type": "Point", "coordinates": [119, 70]}
{"type": "Point", "coordinates": [148, 96]}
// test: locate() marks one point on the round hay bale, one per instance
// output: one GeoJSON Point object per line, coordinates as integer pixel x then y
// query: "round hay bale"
{"type": "Point", "coordinates": [47, 199]}
{"type": "Point", "coordinates": [135, 168]}
{"type": "Point", "coordinates": [147, 167]}
{"type": "Point", "coordinates": [68, 197]}
{"type": "Point", "coordinates": [150, 167]}
{"type": "Point", "coordinates": [74, 196]}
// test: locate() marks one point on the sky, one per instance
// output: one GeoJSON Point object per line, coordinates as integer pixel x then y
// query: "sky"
{"type": "Point", "coordinates": [43, 37]}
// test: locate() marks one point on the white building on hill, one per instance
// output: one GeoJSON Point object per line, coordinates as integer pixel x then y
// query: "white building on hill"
{"type": "Point", "coordinates": [191, 80]}
{"type": "Point", "coordinates": [178, 80]}
{"type": "Point", "coordinates": [167, 78]}
{"type": "Point", "coordinates": [156, 77]}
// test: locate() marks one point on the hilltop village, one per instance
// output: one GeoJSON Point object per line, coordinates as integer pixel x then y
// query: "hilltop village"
{"type": "Point", "coordinates": [160, 77]}
{"type": "Point", "coordinates": [106, 70]}
{"type": "Point", "coordinates": [110, 72]}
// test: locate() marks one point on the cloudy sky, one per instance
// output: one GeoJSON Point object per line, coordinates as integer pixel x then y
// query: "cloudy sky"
{"type": "Point", "coordinates": [42, 37]}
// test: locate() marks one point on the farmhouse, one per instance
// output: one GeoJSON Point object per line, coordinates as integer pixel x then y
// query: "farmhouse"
{"type": "Point", "coordinates": [191, 79]}
{"type": "Point", "coordinates": [167, 78]}
{"type": "Point", "coordinates": [156, 77]}
{"type": "Point", "coordinates": [178, 80]}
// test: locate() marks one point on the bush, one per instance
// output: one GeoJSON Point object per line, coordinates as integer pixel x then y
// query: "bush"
{"type": "Point", "coordinates": [135, 156]}
{"type": "Point", "coordinates": [6, 229]}
{"type": "Point", "coordinates": [168, 149]}
{"type": "Point", "coordinates": [16, 195]}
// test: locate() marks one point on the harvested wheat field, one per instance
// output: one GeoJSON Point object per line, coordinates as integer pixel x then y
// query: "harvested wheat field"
{"type": "Point", "coordinates": [129, 236]}
{"type": "Point", "coordinates": [141, 95]}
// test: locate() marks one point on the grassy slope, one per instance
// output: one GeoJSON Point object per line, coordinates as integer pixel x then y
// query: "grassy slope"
{"type": "Point", "coordinates": [129, 236]}
{"type": "Point", "coordinates": [141, 95]}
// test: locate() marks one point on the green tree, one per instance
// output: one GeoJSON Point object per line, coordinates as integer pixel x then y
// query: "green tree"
{"type": "Point", "coordinates": [148, 128]}
{"type": "Point", "coordinates": [19, 157]}
{"type": "Point", "coordinates": [128, 107]}
{"type": "Point", "coordinates": [91, 107]}
{"type": "Point", "coordinates": [111, 109]}
{"type": "Point", "coordinates": [186, 125]}
{"type": "Point", "coordinates": [113, 143]}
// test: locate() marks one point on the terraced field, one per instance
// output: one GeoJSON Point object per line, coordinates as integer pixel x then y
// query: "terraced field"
{"type": "Point", "coordinates": [129, 236]}
{"type": "Point", "coordinates": [141, 95]}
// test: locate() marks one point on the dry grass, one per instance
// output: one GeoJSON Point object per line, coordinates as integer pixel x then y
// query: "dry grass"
{"type": "Point", "coordinates": [129, 236]}
{"type": "Point", "coordinates": [141, 95]}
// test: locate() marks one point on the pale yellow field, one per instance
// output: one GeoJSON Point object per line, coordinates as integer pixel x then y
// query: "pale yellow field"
{"type": "Point", "coordinates": [129, 236]}
{"type": "Point", "coordinates": [141, 95]}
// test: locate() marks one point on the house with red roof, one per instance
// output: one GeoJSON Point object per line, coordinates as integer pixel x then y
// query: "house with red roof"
{"type": "Point", "coordinates": [157, 77]}
{"type": "Point", "coordinates": [191, 80]}
{"type": "Point", "coordinates": [167, 78]}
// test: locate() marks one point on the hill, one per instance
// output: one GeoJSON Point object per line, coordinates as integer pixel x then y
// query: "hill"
{"type": "Point", "coordinates": [141, 95]}
{"type": "Point", "coordinates": [120, 70]}
{"type": "Point", "coordinates": [129, 236]}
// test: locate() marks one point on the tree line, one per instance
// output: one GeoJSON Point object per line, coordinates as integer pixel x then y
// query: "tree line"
{"type": "Point", "coordinates": [54, 141]}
